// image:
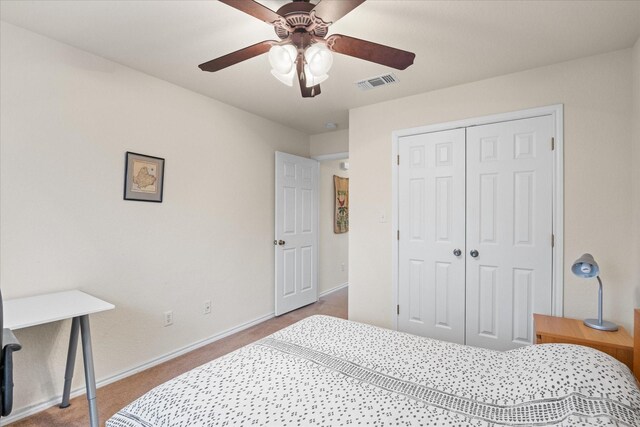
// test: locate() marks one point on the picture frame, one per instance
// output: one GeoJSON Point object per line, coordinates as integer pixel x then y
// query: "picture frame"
{"type": "Point", "coordinates": [341, 205]}
{"type": "Point", "coordinates": [143, 177]}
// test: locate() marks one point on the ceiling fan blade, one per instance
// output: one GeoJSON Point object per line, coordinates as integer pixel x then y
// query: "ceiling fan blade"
{"type": "Point", "coordinates": [332, 10]}
{"type": "Point", "coordinates": [237, 56]}
{"type": "Point", "coordinates": [307, 92]}
{"type": "Point", "coordinates": [254, 9]}
{"type": "Point", "coordinates": [369, 51]}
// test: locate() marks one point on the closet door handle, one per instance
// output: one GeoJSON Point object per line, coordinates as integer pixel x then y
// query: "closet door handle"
{"type": "Point", "coordinates": [474, 253]}
{"type": "Point", "coordinates": [457, 252]}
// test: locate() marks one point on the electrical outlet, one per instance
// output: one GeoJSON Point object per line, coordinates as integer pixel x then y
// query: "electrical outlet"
{"type": "Point", "coordinates": [168, 318]}
{"type": "Point", "coordinates": [207, 307]}
{"type": "Point", "coordinates": [342, 267]}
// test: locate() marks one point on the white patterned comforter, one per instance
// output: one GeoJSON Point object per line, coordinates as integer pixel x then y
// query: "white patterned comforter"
{"type": "Point", "coordinates": [326, 371]}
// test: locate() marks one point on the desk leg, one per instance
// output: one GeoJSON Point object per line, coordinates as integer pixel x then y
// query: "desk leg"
{"type": "Point", "coordinates": [90, 376]}
{"type": "Point", "coordinates": [71, 359]}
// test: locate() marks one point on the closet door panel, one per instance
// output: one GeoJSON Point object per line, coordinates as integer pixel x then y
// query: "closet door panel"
{"type": "Point", "coordinates": [431, 281]}
{"type": "Point", "coordinates": [509, 224]}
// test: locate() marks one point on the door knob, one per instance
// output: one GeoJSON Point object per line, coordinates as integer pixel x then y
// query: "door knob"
{"type": "Point", "coordinates": [281, 242]}
{"type": "Point", "coordinates": [457, 252]}
{"type": "Point", "coordinates": [474, 253]}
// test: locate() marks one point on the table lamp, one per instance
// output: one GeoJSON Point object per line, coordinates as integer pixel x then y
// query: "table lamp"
{"type": "Point", "coordinates": [586, 267]}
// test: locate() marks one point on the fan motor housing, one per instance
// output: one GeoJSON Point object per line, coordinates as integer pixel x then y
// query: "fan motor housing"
{"type": "Point", "coordinates": [298, 16]}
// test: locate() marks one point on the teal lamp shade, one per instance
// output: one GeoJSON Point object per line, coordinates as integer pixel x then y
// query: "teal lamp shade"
{"type": "Point", "coordinates": [586, 267]}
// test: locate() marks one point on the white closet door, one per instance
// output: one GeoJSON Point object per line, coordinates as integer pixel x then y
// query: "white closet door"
{"type": "Point", "coordinates": [432, 226]}
{"type": "Point", "coordinates": [509, 224]}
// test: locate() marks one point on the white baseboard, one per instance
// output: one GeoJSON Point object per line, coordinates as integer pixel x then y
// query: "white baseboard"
{"type": "Point", "coordinates": [337, 288]}
{"type": "Point", "coordinates": [33, 409]}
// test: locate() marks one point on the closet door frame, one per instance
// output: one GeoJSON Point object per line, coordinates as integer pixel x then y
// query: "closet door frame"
{"type": "Point", "coordinates": [556, 112]}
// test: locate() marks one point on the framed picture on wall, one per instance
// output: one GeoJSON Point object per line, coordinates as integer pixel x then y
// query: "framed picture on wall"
{"type": "Point", "coordinates": [341, 212]}
{"type": "Point", "coordinates": [143, 177]}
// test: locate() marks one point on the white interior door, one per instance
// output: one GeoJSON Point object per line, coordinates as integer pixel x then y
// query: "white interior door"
{"type": "Point", "coordinates": [432, 227]}
{"type": "Point", "coordinates": [296, 239]}
{"type": "Point", "coordinates": [509, 230]}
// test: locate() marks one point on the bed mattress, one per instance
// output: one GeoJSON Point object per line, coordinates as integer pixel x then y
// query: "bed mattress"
{"type": "Point", "coordinates": [324, 371]}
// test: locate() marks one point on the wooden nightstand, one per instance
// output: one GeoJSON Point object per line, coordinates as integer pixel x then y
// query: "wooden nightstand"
{"type": "Point", "coordinates": [618, 344]}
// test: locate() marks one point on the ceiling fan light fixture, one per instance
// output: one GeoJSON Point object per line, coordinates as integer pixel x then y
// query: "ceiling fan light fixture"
{"type": "Point", "coordinates": [304, 49]}
{"type": "Point", "coordinates": [285, 78]}
{"type": "Point", "coordinates": [319, 59]}
{"type": "Point", "coordinates": [311, 80]}
{"type": "Point", "coordinates": [283, 58]}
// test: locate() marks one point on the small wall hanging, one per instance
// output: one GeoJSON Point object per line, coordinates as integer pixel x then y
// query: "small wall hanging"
{"type": "Point", "coordinates": [341, 215]}
{"type": "Point", "coordinates": [143, 177]}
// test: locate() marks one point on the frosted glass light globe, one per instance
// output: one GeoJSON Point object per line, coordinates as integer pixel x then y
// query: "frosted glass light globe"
{"type": "Point", "coordinates": [283, 58]}
{"type": "Point", "coordinates": [311, 80]}
{"type": "Point", "coordinates": [319, 59]}
{"type": "Point", "coordinates": [285, 78]}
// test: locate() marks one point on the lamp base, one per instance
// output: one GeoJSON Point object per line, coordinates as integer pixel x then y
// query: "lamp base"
{"type": "Point", "coordinates": [604, 326]}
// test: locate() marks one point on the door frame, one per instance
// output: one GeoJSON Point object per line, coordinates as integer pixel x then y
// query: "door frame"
{"type": "Point", "coordinates": [557, 113]}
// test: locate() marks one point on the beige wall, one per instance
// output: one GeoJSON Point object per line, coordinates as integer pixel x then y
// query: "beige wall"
{"type": "Point", "coordinates": [333, 270]}
{"type": "Point", "coordinates": [67, 118]}
{"type": "Point", "coordinates": [636, 161]}
{"type": "Point", "coordinates": [596, 93]}
{"type": "Point", "coordinates": [329, 143]}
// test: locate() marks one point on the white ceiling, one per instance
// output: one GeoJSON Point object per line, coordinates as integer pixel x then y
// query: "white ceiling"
{"type": "Point", "coordinates": [455, 42]}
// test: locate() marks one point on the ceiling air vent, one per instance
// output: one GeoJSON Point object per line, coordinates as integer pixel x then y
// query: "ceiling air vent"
{"type": "Point", "coordinates": [374, 82]}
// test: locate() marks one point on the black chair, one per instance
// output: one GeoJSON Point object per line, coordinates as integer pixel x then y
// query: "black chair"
{"type": "Point", "coordinates": [8, 344]}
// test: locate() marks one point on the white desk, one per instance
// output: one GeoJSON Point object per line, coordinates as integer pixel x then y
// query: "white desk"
{"type": "Point", "coordinates": [31, 311]}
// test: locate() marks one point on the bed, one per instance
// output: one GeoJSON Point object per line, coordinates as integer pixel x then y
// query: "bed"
{"type": "Point", "coordinates": [333, 372]}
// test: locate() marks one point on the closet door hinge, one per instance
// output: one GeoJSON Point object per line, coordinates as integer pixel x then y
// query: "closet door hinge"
{"type": "Point", "coordinates": [398, 235]}
{"type": "Point", "coordinates": [553, 144]}
{"type": "Point", "coordinates": [553, 240]}
{"type": "Point", "coordinates": [398, 159]}
{"type": "Point", "coordinates": [398, 309]}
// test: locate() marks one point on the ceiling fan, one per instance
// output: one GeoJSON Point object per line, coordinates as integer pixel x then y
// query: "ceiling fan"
{"type": "Point", "coordinates": [303, 48]}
